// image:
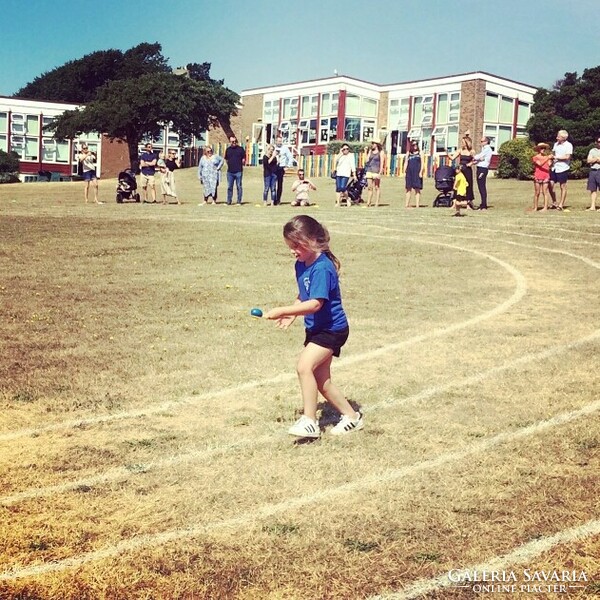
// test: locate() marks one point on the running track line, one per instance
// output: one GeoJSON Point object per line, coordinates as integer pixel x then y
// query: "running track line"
{"type": "Point", "coordinates": [270, 510]}
{"type": "Point", "coordinates": [123, 473]}
{"type": "Point", "coordinates": [517, 296]}
{"type": "Point", "coordinates": [519, 555]}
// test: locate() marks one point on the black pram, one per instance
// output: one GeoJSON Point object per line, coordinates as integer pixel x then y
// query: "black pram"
{"type": "Point", "coordinates": [444, 183]}
{"type": "Point", "coordinates": [356, 186]}
{"type": "Point", "coordinates": [127, 186]}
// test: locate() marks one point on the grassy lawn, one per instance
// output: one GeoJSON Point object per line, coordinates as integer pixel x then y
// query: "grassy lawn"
{"type": "Point", "coordinates": [143, 446]}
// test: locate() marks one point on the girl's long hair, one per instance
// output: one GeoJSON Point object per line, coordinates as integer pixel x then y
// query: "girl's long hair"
{"type": "Point", "coordinates": [306, 231]}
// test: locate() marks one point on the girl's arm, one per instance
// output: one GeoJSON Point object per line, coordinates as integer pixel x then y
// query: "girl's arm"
{"type": "Point", "coordinates": [422, 173]}
{"type": "Point", "coordinates": [286, 315]}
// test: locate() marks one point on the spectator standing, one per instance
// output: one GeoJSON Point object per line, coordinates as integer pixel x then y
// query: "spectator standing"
{"type": "Point", "coordinates": [148, 168]}
{"type": "Point", "coordinates": [414, 171]}
{"type": "Point", "coordinates": [593, 159]}
{"type": "Point", "coordinates": [562, 151]}
{"type": "Point", "coordinates": [345, 169]}
{"type": "Point", "coordinates": [302, 187]}
{"type": "Point", "coordinates": [482, 160]}
{"type": "Point", "coordinates": [209, 174]}
{"type": "Point", "coordinates": [374, 168]}
{"type": "Point", "coordinates": [173, 163]}
{"type": "Point", "coordinates": [235, 157]}
{"type": "Point", "coordinates": [87, 158]}
{"type": "Point", "coordinates": [465, 155]}
{"type": "Point", "coordinates": [285, 160]}
{"type": "Point", "coordinates": [270, 172]}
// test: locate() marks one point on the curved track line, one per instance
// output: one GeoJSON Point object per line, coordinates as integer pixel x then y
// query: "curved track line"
{"type": "Point", "coordinates": [270, 510]}
{"type": "Point", "coordinates": [123, 473]}
{"type": "Point", "coordinates": [518, 556]}
{"type": "Point", "coordinates": [517, 296]}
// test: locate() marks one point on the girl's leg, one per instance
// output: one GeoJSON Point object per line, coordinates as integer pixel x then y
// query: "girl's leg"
{"type": "Point", "coordinates": [377, 191]}
{"type": "Point", "coordinates": [369, 191]}
{"type": "Point", "coordinates": [417, 198]}
{"type": "Point", "coordinates": [266, 188]}
{"type": "Point", "coordinates": [311, 357]}
{"type": "Point", "coordinates": [330, 391]}
{"type": "Point", "coordinates": [536, 194]}
{"type": "Point", "coordinates": [407, 203]}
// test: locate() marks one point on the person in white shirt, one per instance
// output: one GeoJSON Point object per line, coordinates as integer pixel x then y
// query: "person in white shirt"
{"type": "Point", "coordinates": [285, 160]}
{"type": "Point", "coordinates": [482, 160]}
{"type": "Point", "coordinates": [593, 184]}
{"type": "Point", "coordinates": [562, 151]}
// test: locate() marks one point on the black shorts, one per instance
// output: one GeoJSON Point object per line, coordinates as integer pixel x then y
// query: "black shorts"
{"type": "Point", "coordinates": [334, 340]}
{"type": "Point", "coordinates": [559, 177]}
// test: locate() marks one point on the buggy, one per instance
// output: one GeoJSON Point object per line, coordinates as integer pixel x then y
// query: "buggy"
{"type": "Point", "coordinates": [356, 186]}
{"type": "Point", "coordinates": [444, 184]}
{"type": "Point", "coordinates": [127, 186]}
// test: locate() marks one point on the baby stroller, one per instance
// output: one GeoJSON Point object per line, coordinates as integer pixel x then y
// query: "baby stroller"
{"type": "Point", "coordinates": [356, 186]}
{"type": "Point", "coordinates": [127, 186]}
{"type": "Point", "coordinates": [444, 183]}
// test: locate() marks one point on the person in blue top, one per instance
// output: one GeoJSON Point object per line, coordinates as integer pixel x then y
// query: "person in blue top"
{"type": "Point", "coordinates": [319, 301]}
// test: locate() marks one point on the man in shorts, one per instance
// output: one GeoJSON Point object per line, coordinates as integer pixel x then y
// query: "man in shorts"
{"type": "Point", "coordinates": [148, 168]}
{"type": "Point", "coordinates": [593, 185]}
{"type": "Point", "coordinates": [561, 155]}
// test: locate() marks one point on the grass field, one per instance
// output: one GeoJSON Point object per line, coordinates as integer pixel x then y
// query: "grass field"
{"type": "Point", "coordinates": [143, 446]}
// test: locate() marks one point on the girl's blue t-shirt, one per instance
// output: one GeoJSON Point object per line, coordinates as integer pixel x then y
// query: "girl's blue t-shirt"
{"type": "Point", "coordinates": [320, 281]}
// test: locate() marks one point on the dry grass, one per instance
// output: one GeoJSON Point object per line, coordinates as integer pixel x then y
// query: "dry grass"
{"type": "Point", "coordinates": [143, 412]}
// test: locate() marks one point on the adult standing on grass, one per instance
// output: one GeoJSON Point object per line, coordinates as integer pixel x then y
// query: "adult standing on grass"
{"type": "Point", "coordinates": [235, 157]}
{"type": "Point", "coordinates": [173, 163]}
{"type": "Point", "coordinates": [482, 160]}
{"type": "Point", "coordinates": [87, 158]}
{"type": "Point", "coordinates": [561, 155]}
{"type": "Point", "coordinates": [270, 170]}
{"type": "Point", "coordinates": [374, 168]}
{"type": "Point", "coordinates": [345, 169]}
{"type": "Point", "coordinates": [465, 156]}
{"type": "Point", "coordinates": [148, 168]}
{"type": "Point", "coordinates": [319, 301]}
{"type": "Point", "coordinates": [413, 171]}
{"type": "Point", "coordinates": [593, 184]}
{"type": "Point", "coordinates": [285, 160]}
{"type": "Point", "coordinates": [209, 174]}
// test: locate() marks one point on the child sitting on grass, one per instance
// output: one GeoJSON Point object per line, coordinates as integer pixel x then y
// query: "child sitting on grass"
{"type": "Point", "coordinates": [302, 186]}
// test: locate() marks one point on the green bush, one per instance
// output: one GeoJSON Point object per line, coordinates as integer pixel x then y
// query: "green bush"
{"type": "Point", "coordinates": [9, 167]}
{"type": "Point", "coordinates": [515, 160]}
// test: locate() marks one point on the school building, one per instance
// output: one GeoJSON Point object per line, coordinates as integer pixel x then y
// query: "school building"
{"type": "Point", "coordinates": [436, 112]}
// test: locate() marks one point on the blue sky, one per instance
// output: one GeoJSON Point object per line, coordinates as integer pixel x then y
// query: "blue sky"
{"type": "Point", "coordinates": [256, 43]}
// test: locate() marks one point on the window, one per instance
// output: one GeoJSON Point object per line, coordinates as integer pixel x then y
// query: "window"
{"type": "Point", "coordinates": [290, 108]}
{"type": "Point", "coordinates": [308, 131]}
{"type": "Point", "coordinates": [309, 106]}
{"type": "Point", "coordinates": [442, 109]}
{"type": "Point", "coordinates": [17, 144]}
{"type": "Point", "coordinates": [417, 115]}
{"type": "Point", "coordinates": [48, 150]}
{"type": "Point", "coordinates": [426, 140]}
{"type": "Point", "coordinates": [3, 143]}
{"type": "Point", "coordinates": [439, 134]}
{"type": "Point", "coordinates": [33, 124]}
{"type": "Point", "coordinates": [369, 107]}
{"type": "Point", "coordinates": [454, 108]}
{"type": "Point", "coordinates": [329, 103]}
{"type": "Point", "coordinates": [3, 122]}
{"type": "Point", "coordinates": [452, 140]}
{"type": "Point", "coordinates": [18, 124]}
{"type": "Point", "coordinates": [46, 121]}
{"type": "Point", "coordinates": [506, 110]}
{"type": "Point", "coordinates": [352, 104]}
{"type": "Point", "coordinates": [398, 117]}
{"type": "Point", "coordinates": [490, 112]}
{"type": "Point", "coordinates": [523, 114]}
{"type": "Point", "coordinates": [368, 130]}
{"type": "Point", "coordinates": [414, 133]}
{"type": "Point", "coordinates": [328, 130]}
{"type": "Point", "coordinates": [352, 129]}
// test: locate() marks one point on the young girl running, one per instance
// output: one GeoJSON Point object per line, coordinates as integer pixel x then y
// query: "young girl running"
{"type": "Point", "coordinates": [319, 301]}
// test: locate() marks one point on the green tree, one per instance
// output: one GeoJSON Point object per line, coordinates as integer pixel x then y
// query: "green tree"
{"type": "Point", "coordinates": [9, 167]}
{"type": "Point", "coordinates": [515, 159]}
{"type": "Point", "coordinates": [572, 104]}
{"type": "Point", "coordinates": [131, 109]}
{"type": "Point", "coordinates": [78, 81]}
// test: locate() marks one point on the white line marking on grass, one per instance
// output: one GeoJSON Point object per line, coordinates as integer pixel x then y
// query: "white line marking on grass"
{"type": "Point", "coordinates": [519, 555]}
{"type": "Point", "coordinates": [123, 473]}
{"type": "Point", "coordinates": [269, 510]}
{"type": "Point", "coordinates": [517, 296]}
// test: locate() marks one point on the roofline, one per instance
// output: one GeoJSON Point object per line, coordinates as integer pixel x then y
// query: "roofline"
{"type": "Point", "coordinates": [387, 86]}
{"type": "Point", "coordinates": [47, 102]}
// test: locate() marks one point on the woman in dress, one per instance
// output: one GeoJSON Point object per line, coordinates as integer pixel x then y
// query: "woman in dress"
{"type": "Point", "coordinates": [414, 170]}
{"type": "Point", "coordinates": [465, 155]}
{"type": "Point", "coordinates": [209, 174]}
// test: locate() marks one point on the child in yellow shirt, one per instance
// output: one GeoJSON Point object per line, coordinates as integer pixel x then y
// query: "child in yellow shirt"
{"type": "Point", "coordinates": [460, 192]}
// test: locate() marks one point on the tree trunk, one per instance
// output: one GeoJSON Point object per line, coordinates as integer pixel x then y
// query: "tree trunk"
{"type": "Point", "coordinates": [134, 158]}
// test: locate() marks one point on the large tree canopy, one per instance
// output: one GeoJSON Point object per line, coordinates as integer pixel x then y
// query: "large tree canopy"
{"type": "Point", "coordinates": [78, 81]}
{"type": "Point", "coordinates": [132, 95]}
{"type": "Point", "coordinates": [572, 104]}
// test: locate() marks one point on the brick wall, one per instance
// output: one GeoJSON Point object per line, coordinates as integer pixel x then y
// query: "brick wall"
{"type": "Point", "coordinates": [382, 116]}
{"type": "Point", "coordinates": [472, 104]}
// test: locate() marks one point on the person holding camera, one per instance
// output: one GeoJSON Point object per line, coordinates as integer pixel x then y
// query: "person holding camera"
{"type": "Point", "coordinates": [285, 160]}
{"type": "Point", "coordinates": [87, 158]}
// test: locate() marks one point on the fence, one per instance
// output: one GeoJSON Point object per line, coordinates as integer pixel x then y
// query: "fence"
{"type": "Point", "coordinates": [317, 165]}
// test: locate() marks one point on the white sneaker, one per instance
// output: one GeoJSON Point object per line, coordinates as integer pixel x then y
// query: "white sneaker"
{"type": "Point", "coordinates": [347, 425]}
{"type": "Point", "coordinates": [305, 427]}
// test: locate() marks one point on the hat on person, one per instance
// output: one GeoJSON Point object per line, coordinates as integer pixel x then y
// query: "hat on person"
{"type": "Point", "coordinates": [541, 146]}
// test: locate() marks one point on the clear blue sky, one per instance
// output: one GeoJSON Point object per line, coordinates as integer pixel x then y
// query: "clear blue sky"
{"type": "Point", "coordinates": [257, 43]}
